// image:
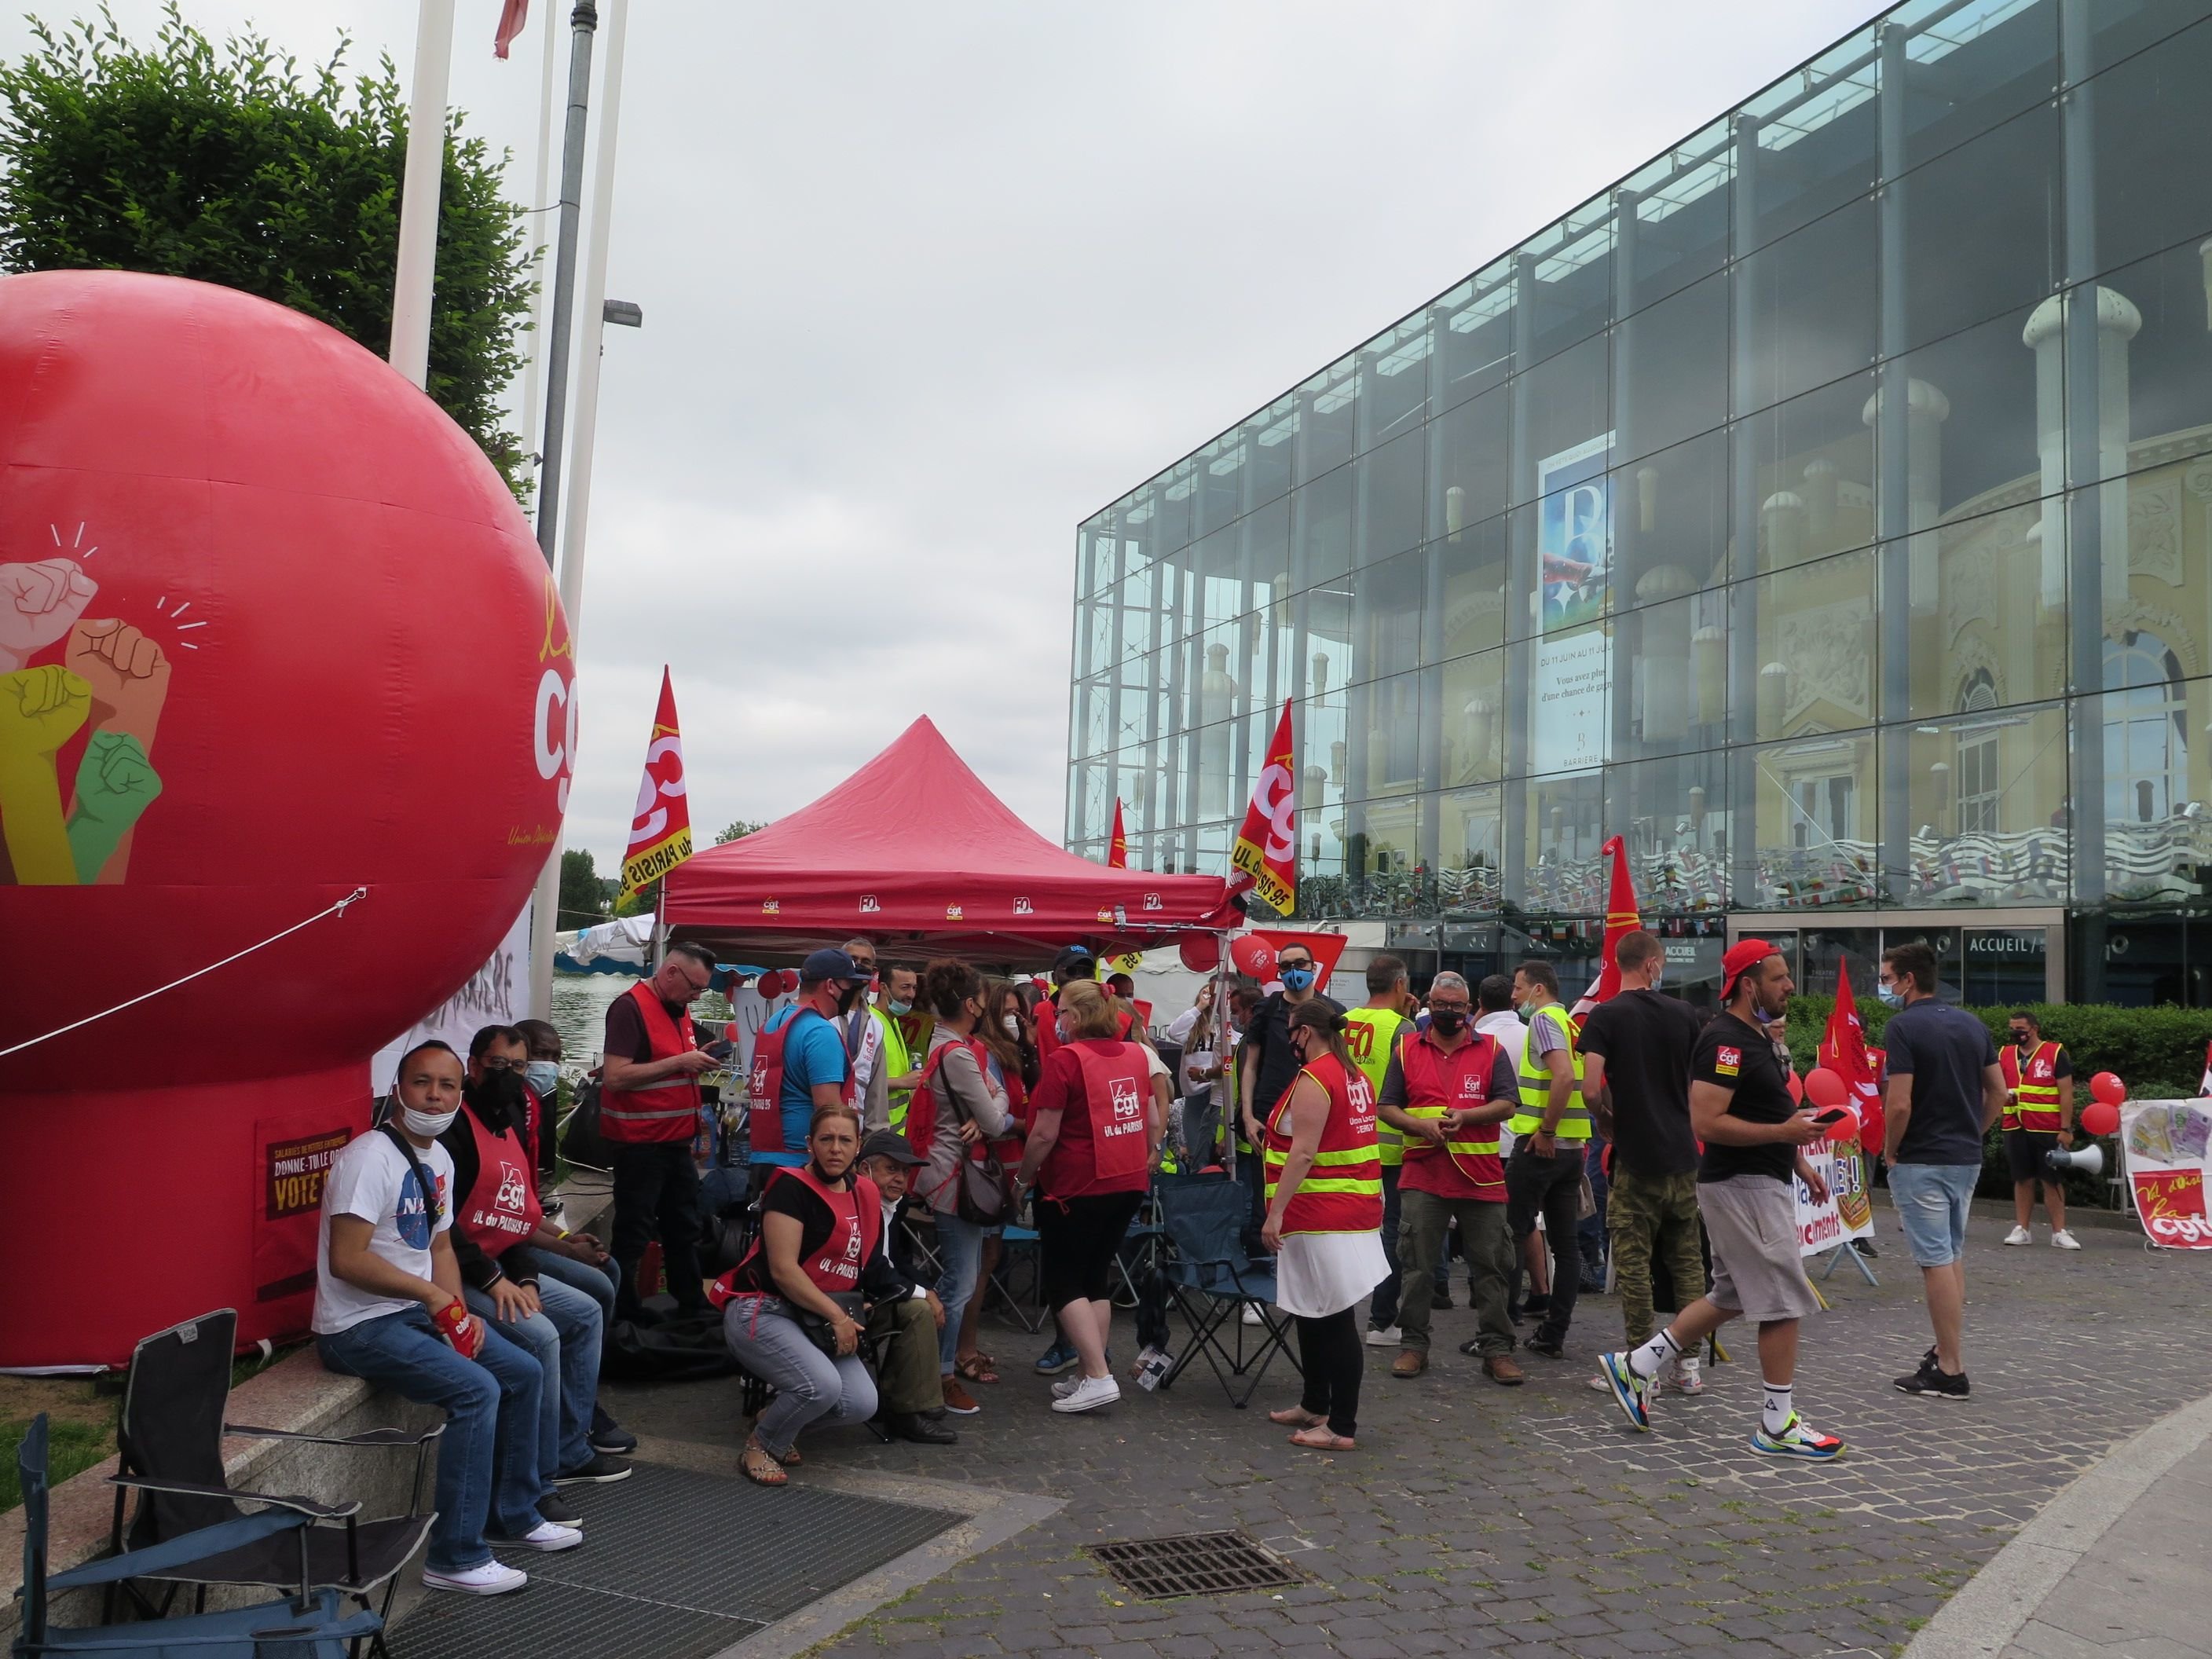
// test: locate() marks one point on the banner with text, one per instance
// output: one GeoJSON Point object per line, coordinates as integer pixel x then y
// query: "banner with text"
{"type": "Point", "coordinates": [2167, 1143]}
{"type": "Point", "coordinates": [1847, 1212]}
{"type": "Point", "coordinates": [497, 994]}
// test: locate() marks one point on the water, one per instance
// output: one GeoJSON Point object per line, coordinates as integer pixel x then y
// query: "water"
{"type": "Point", "coordinates": [580, 1013]}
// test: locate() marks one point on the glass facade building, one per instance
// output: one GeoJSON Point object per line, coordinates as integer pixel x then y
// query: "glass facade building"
{"type": "Point", "coordinates": [1824, 509]}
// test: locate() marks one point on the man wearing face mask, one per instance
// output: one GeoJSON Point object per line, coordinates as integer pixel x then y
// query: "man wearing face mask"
{"type": "Point", "coordinates": [497, 1226]}
{"type": "Point", "coordinates": [650, 1111]}
{"type": "Point", "coordinates": [906, 1030]}
{"type": "Point", "coordinates": [1267, 1063]}
{"type": "Point", "coordinates": [800, 1060]}
{"type": "Point", "coordinates": [389, 1310]}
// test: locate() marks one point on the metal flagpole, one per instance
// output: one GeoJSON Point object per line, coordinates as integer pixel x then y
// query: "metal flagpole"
{"type": "Point", "coordinates": [584, 22]}
{"type": "Point", "coordinates": [534, 373]}
{"type": "Point", "coordinates": [418, 199]}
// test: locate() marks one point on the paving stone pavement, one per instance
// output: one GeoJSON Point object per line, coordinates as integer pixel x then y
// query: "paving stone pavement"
{"type": "Point", "coordinates": [1532, 1520]}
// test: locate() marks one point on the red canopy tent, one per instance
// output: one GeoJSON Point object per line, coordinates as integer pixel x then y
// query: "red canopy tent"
{"type": "Point", "coordinates": [913, 847]}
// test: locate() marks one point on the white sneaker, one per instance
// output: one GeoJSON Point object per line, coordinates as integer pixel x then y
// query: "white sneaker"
{"type": "Point", "coordinates": [2019, 1236]}
{"type": "Point", "coordinates": [1251, 1314]}
{"type": "Point", "coordinates": [546, 1535]}
{"type": "Point", "coordinates": [2062, 1239]}
{"type": "Point", "coordinates": [1684, 1378]}
{"type": "Point", "coordinates": [1089, 1394]}
{"type": "Point", "coordinates": [1067, 1386]}
{"type": "Point", "coordinates": [1598, 1384]}
{"type": "Point", "coordinates": [492, 1578]}
{"type": "Point", "coordinates": [1390, 1338]}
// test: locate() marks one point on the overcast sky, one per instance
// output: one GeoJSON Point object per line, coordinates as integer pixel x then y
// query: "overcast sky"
{"type": "Point", "coordinates": [924, 284]}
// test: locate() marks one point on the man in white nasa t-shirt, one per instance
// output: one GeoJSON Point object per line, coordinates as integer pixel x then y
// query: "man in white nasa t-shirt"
{"type": "Point", "coordinates": [388, 1310]}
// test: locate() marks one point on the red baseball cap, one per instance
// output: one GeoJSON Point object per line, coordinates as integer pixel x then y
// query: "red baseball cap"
{"type": "Point", "coordinates": [1744, 953]}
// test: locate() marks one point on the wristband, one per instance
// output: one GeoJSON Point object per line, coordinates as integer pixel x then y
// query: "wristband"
{"type": "Point", "coordinates": [458, 1328]}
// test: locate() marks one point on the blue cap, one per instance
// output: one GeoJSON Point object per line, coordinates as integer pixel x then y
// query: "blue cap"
{"type": "Point", "coordinates": [832, 964]}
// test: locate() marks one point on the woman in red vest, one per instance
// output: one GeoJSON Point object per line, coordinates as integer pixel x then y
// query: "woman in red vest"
{"type": "Point", "coordinates": [816, 1256]}
{"type": "Point", "coordinates": [1092, 1133]}
{"type": "Point", "coordinates": [1324, 1221]}
{"type": "Point", "coordinates": [1012, 1064]}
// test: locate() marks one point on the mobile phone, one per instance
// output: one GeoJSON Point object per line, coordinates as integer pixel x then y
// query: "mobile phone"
{"type": "Point", "coordinates": [1833, 1114]}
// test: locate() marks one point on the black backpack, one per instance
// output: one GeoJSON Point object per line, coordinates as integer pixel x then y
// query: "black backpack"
{"type": "Point", "coordinates": [581, 1142]}
{"type": "Point", "coordinates": [679, 1348]}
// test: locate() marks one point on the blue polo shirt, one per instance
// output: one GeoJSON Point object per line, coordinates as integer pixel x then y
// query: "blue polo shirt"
{"type": "Point", "coordinates": [813, 1052]}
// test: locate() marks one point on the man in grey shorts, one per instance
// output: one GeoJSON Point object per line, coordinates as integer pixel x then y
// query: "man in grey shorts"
{"type": "Point", "coordinates": [1752, 1131]}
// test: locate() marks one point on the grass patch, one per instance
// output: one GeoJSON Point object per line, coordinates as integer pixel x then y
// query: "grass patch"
{"type": "Point", "coordinates": [80, 1429]}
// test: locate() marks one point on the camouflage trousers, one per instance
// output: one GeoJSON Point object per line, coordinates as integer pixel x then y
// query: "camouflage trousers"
{"type": "Point", "coordinates": [1654, 1217]}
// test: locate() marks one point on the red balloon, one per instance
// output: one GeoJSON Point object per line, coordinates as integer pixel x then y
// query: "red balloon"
{"type": "Point", "coordinates": [2108, 1088]}
{"type": "Point", "coordinates": [297, 638]}
{"type": "Point", "coordinates": [1253, 956]}
{"type": "Point", "coordinates": [1824, 1088]}
{"type": "Point", "coordinates": [1200, 953]}
{"type": "Point", "coordinates": [2101, 1118]}
{"type": "Point", "coordinates": [1795, 1086]}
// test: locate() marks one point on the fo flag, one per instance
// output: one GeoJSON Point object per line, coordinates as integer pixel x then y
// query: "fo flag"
{"type": "Point", "coordinates": [1267, 852]}
{"type": "Point", "coordinates": [1117, 848]}
{"type": "Point", "coordinates": [1622, 918]}
{"type": "Point", "coordinates": [512, 17]}
{"type": "Point", "coordinates": [660, 829]}
{"type": "Point", "coordinates": [1843, 1051]}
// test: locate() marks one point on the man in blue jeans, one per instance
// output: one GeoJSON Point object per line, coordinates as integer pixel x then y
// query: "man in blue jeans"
{"type": "Point", "coordinates": [500, 1244]}
{"type": "Point", "coordinates": [1945, 1090]}
{"type": "Point", "coordinates": [389, 1310]}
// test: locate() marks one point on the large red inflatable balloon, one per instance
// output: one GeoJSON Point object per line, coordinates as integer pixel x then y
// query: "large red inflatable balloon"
{"type": "Point", "coordinates": [1253, 956]}
{"type": "Point", "coordinates": [271, 630]}
{"type": "Point", "coordinates": [2101, 1118]}
{"type": "Point", "coordinates": [2107, 1087]}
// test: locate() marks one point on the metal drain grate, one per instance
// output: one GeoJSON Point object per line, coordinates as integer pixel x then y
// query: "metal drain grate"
{"type": "Point", "coordinates": [544, 1617]}
{"type": "Point", "coordinates": [1194, 1564]}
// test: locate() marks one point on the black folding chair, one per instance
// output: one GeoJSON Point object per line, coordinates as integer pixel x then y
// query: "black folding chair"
{"type": "Point", "coordinates": [309, 1624]}
{"type": "Point", "coordinates": [1213, 1281]}
{"type": "Point", "coordinates": [169, 1441]}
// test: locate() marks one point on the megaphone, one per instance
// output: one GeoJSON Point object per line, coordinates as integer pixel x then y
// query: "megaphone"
{"type": "Point", "coordinates": [2089, 1160]}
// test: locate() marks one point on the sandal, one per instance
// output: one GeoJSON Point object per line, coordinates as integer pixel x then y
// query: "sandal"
{"type": "Point", "coordinates": [791, 1460]}
{"type": "Point", "coordinates": [1319, 1438]}
{"type": "Point", "coordinates": [1296, 1417]}
{"type": "Point", "coordinates": [975, 1368]}
{"type": "Point", "coordinates": [760, 1465]}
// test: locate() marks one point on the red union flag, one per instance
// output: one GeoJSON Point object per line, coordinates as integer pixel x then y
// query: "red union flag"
{"type": "Point", "coordinates": [512, 17]}
{"type": "Point", "coordinates": [1622, 918]}
{"type": "Point", "coordinates": [1843, 1051]}
{"type": "Point", "coordinates": [660, 828]}
{"type": "Point", "coordinates": [1267, 851]}
{"type": "Point", "coordinates": [1118, 847]}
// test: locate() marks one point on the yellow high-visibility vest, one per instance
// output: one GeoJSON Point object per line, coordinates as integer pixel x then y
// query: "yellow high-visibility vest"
{"type": "Point", "coordinates": [1536, 1081]}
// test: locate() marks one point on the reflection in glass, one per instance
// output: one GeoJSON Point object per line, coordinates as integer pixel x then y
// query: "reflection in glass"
{"type": "Point", "coordinates": [1323, 513]}
{"type": "Point", "coordinates": [1809, 308]}
{"type": "Point", "coordinates": [1670, 378]}
{"type": "Point", "coordinates": [1472, 463]}
{"type": "Point", "coordinates": [1983, 228]}
{"type": "Point", "coordinates": [1472, 719]}
{"type": "Point", "coordinates": [1671, 814]}
{"type": "Point", "coordinates": [1471, 575]}
{"type": "Point", "coordinates": [1814, 140]}
{"type": "Point", "coordinates": [1390, 496]}
{"type": "Point", "coordinates": [1816, 647]}
{"type": "Point", "coordinates": [1675, 219]}
{"type": "Point", "coordinates": [1996, 58]}
{"type": "Point", "coordinates": [1474, 335]}
{"type": "Point", "coordinates": [1566, 270]}
{"type": "Point", "coordinates": [2151, 130]}
{"type": "Point", "coordinates": [1813, 472]}
{"type": "Point", "coordinates": [1987, 808]}
{"type": "Point", "coordinates": [1566, 821]}
{"type": "Point", "coordinates": [1467, 850]}
{"type": "Point", "coordinates": [1812, 840]}
{"type": "Point", "coordinates": [1987, 625]}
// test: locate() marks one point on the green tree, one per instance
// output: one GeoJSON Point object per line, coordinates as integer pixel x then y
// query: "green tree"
{"type": "Point", "coordinates": [233, 168]}
{"type": "Point", "coordinates": [642, 902]}
{"type": "Point", "coordinates": [737, 829]}
{"type": "Point", "coordinates": [583, 894]}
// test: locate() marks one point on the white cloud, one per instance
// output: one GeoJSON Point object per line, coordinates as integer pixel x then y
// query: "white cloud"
{"type": "Point", "coordinates": [926, 285]}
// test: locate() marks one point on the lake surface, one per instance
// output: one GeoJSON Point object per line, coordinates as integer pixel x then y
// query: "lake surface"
{"type": "Point", "coordinates": [580, 1013]}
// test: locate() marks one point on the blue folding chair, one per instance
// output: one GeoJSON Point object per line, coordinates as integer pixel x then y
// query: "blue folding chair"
{"type": "Point", "coordinates": [309, 1626]}
{"type": "Point", "coordinates": [1213, 1281]}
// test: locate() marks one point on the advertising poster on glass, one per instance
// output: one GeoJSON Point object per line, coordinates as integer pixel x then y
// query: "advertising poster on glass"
{"type": "Point", "coordinates": [1574, 536]}
{"type": "Point", "coordinates": [2165, 1143]}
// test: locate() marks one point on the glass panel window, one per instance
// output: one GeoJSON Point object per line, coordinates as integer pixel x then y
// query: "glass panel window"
{"type": "Point", "coordinates": [1323, 513]}
{"type": "Point", "coordinates": [2154, 338]}
{"type": "Point", "coordinates": [1468, 822]}
{"type": "Point", "coordinates": [1266, 538]}
{"type": "Point", "coordinates": [1383, 730]}
{"type": "Point", "coordinates": [1672, 678]}
{"type": "Point", "coordinates": [1566, 403]}
{"type": "Point", "coordinates": [1812, 472]}
{"type": "Point", "coordinates": [1387, 617]}
{"type": "Point", "coordinates": [1670, 521]}
{"type": "Point", "coordinates": [1567, 826]}
{"type": "Point", "coordinates": [1381, 857]}
{"type": "Point", "coordinates": [2119, 32]}
{"type": "Point", "coordinates": [1569, 268]}
{"type": "Point", "coordinates": [1473, 716]}
{"type": "Point", "coordinates": [1395, 381]}
{"type": "Point", "coordinates": [1170, 507]}
{"type": "Point", "coordinates": [1471, 576]}
{"type": "Point", "coordinates": [1219, 482]}
{"type": "Point", "coordinates": [1671, 376]}
{"type": "Point", "coordinates": [2152, 129]}
{"type": "Point", "coordinates": [1674, 224]}
{"type": "Point", "coordinates": [1987, 807]}
{"type": "Point", "coordinates": [1816, 647]}
{"type": "Point", "coordinates": [1328, 418]}
{"type": "Point", "coordinates": [1813, 837]}
{"type": "Point", "coordinates": [1391, 496]}
{"type": "Point", "coordinates": [1809, 306]}
{"type": "Point", "coordinates": [1816, 140]}
{"type": "Point", "coordinates": [1670, 813]}
{"type": "Point", "coordinates": [1270, 449]}
{"type": "Point", "coordinates": [1973, 66]}
{"type": "Point", "coordinates": [1979, 614]}
{"type": "Point", "coordinates": [2146, 719]}
{"type": "Point", "coordinates": [1474, 335]}
{"type": "Point", "coordinates": [1983, 228]}
{"type": "Point", "coordinates": [1472, 465]}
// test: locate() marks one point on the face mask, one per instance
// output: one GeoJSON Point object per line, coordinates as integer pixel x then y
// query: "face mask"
{"type": "Point", "coordinates": [852, 998]}
{"type": "Point", "coordinates": [1890, 995]}
{"type": "Point", "coordinates": [897, 1007]}
{"type": "Point", "coordinates": [543, 1077]}
{"type": "Point", "coordinates": [2020, 1039]}
{"type": "Point", "coordinates": [428, 1125]}
{"type": "Point", "coordinates": [1761, 1015]}
{"type": "Point", "coordinates": [1447, 1022]}
{"type": "Point", "coordinates": [1297, 978]}
{"type": "Point", "coordinates": [1013, 1025]}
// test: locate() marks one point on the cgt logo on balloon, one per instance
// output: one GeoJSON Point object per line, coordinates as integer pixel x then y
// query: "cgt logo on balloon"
{"type": "Point", "coordinates": [553, 728]}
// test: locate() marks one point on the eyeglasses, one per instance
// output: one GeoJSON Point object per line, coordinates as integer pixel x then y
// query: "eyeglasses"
{"type": "Point", "coordinates": [492, 1063]}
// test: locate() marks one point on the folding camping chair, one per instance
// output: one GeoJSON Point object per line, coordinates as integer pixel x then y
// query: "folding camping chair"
{"type": "Point", "coordinates": [1001, 1291]}
{"type": "Point", "coordinates": [1213, 1281]}
{"type": "Point", "coordinates": [308, 1625]}
{"type": "Point", "coordinates": [169, 1439]}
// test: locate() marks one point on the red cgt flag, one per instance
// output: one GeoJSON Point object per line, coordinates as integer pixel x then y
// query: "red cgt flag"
{"type": "Point", "coordinates": [512, 15]}
{"type": "Point", "coordinates": [1843, 1051]}
{"type": "Point", "coordinates": [1267, 852]}
{"type": "Point", "coordinates": [660, 828]}
{"type": "Point", "coordinates": [1117, 844]}
{"type": "Point", "coordinates": [1622, 918]}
